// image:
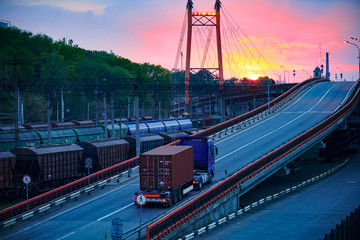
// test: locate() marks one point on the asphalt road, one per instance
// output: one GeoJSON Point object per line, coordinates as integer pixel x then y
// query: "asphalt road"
{"type": "Point", "coordinates": [306, 214]}
{"type": "Point", "coordinates": [90, 217]}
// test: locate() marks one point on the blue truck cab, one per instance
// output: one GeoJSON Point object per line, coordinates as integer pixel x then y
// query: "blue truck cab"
{"type": "Point", "coordinates": [204, 158]}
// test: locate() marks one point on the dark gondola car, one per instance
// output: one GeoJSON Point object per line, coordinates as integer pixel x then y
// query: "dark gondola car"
{"type": "Point", "coordinates": [7, 164]}
{"type": "Point", "coordinates": [147, 143]}
{"type": "Point", "coordinates": [49, 166]}
{"type": "Point", "coordinates": [104, 153]}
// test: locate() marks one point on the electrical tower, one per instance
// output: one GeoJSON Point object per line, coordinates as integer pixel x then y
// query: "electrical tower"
{"type": "Point", "coordinates": [202, 19]}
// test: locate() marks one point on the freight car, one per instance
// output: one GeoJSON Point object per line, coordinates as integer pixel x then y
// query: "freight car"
{"type": "Point", "coordinates": [35, 125]}
{"type": "Point", "coordinates": [7, 164]}
{"type": "Point", "coordinates": [172, 137]}
{"type": "Point", "coordinates": [155, 127]}
{"type": "Point", "coordinates": [89, 133]}
{"type": "Point", "coordinates": [48, 167]}
{"type": "Point", "coordinates": [103, 153]}
{"type": "Point", "coordinates": [146, 143]}
{"type": "Point", "coordinates": [58, 135]}
{"type": "Point", "coordinates": [143, 128]}
{"type": "Point", "coordinates": [171, 125]}
{"type": "Point", "coordinates": [120, 130]}
{"type": "Point", "coordinates": [26, 138]}
{"type": "Point", "coordinates": [83, 122]}
{"type": "Point", "coordinates": [185, 124]}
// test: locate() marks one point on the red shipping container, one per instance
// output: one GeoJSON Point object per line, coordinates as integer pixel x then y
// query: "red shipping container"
{"type": "Point", "coordinates": [166, 168]}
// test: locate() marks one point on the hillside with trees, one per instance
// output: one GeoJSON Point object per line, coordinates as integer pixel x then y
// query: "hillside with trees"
{"type": "Point", "coordinates": [38, 65]}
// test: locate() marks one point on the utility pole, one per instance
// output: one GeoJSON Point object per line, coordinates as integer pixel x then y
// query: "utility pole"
{"type": "Point", "coordinates": [105, 117]}
{"type": "Point", "coordinates": [96, 104]}
{"type": "Point", "coordinates": [159, 109]}
{"type": "Point", "coordinates": [62, 104]}
{"type": "Point", "coordinates": [48, 116]}
{"type": "Point", "coordinates": [129, 107]}
{"type": "Point", "coordinates": [112, 116]}
{"type": "Point", "coordinates": [153, 99]}
{"type": "Point", "coordinates": [136, 93]}
{"type": "Point", "coordinates": [269, 96]}
{"type": "Point", "coordinates": [16, 93]}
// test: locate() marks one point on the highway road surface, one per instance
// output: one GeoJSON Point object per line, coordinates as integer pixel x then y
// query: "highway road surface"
{"type": "Point", "coordinates": [90, 217]}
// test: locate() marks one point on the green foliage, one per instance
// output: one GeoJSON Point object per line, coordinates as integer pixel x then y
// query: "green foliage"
{"type": "Point", "coordinates": [37, 64]}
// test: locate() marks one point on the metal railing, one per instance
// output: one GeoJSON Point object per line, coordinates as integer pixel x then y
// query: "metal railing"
{"type": "Point", "coordinates": [347, 229]}
{"type": "Point", "coordinates": [231, 122]}
{"type": "Point", "coordinates": [184, 213]}
{"type": "Point", "coordinates": [67, 189]}
{"type": "Point", "coordinates": [124, 166]}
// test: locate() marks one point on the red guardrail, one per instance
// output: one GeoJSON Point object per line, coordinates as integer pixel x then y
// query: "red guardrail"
{"type": "Point", "coordinates": [67, 189]}
{"type": "Point", "coordinates": [124, 166]}
{"type": "Point", "coordinates": [176, 218]}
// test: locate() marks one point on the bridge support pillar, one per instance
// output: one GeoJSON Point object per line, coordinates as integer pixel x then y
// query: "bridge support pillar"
{"type": "Point", "coordinates": [313, 154]}
{"type": "Point", "coordinates": [222, 107]}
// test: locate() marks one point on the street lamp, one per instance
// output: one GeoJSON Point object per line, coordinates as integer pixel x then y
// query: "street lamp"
{"type": "Point", "coordinates": [288, 75]}
{"type": "Point", "coordinates": [284, 73]}
{"type": "Point", "coordinates": [341, 75]}
{"type": "Point", "coordinates": [307, 73]}
{"type": "Point", "coordinates": [345, 41]}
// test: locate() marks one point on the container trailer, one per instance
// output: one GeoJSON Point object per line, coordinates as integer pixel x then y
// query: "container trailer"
{"type": "Point", "coordinates": [167, 173]}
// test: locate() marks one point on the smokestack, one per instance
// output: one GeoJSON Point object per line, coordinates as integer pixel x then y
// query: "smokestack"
{"type": "Point", "coordinates": [327, 67]}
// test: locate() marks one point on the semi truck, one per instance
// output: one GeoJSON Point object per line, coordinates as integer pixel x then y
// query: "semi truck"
{"type": "Point", "coordinates": [167, 173]}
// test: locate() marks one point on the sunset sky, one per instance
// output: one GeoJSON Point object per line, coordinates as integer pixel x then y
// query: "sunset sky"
{"type": "Point", "coordinates": [287, 33]}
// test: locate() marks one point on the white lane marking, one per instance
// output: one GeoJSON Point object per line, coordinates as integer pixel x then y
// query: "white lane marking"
{"type": "Point", "coordinates": [67, 235]}
{"type": "Point", "coordinates": [268, 119]}
{"type": "Point", "coordinates": [321, 112]}
{"type": "Point", "coordinates": [41, 222]}
{"type": "Point", "coordinates": [269, 133]}
{"type": "Point", "coordinates": [88, 225]}
{"type": "Point", "coordinates": [346, 97]}
{"type": "Point", "coordinates": [119, 210]}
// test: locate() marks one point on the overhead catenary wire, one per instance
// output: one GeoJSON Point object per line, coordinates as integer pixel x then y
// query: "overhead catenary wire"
{"type": "Point", "coordinates": [260, 54]}
{"type": "Point", "coordinates": [181, 41]}
{"type": "Point", "coordinates": [240, 55]}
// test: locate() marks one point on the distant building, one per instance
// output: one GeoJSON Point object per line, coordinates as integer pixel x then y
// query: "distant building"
{"type": "Point", "coordinates": [317, 72]}
{"type": "Point", "coordinates": [4, 23]}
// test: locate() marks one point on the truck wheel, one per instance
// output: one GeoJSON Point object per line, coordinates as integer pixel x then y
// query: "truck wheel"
{"type": "Point", "coordinates": [200, 184]}
{"type": "Point", "coordinates": [175, 196]}
{"type": "Point", "coordinates": [180, 194]}
{"type": "Point", "coordinates": [170, 202]}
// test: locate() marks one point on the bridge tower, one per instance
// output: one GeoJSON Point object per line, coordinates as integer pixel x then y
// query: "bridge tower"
{"type": "Point", "coordinates": [202, 19]}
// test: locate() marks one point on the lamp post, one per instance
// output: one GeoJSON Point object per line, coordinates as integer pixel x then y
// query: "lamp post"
{"type": "Point", "coordinates": [284, 72]}
{"type": "Point", "coordinates": [341, 74]}
{"type": "Point", "coordinates": [307, 73]}
{"type": "Point", "coordinates": [288, 75]}
{"type": "Point", "coordinates": [357, 48]}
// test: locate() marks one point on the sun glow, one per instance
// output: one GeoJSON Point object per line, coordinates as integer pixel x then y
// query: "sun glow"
{"type": "Point", "coordinates": [253, 76]}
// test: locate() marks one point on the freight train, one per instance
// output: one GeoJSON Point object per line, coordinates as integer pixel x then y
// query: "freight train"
{"type": "Point", "coordinates": [76, 131]}
{"type": "Point", "coordinates": [63, 161]}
